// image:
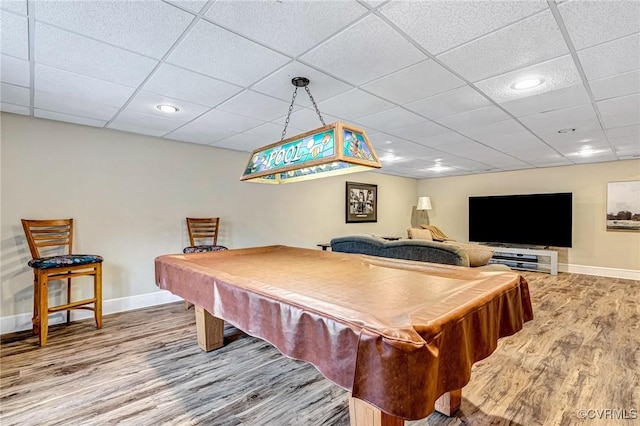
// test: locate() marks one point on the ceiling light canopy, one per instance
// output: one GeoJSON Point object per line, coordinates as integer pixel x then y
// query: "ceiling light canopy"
{"type": "Point", "coordinates": [168, 108]}
{"type": "Point", "coordinates": [330, 150]}
{"type": "Point", "coordinates": [527, 83]}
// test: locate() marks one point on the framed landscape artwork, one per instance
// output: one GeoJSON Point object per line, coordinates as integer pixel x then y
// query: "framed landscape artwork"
{"type": "Point", "coordinates": [623, 206]}
{"type": "Point", "coordinates": [361, 202]}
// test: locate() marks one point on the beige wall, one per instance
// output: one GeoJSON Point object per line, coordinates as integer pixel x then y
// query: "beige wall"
{"type": "Point", "coordinates": [129, 195]}
{"type": "Point", "coordinates": [592, 244]}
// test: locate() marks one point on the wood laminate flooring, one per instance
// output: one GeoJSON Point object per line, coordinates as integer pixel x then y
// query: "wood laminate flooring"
{"type": "Point", "coordinates": [581, 352]}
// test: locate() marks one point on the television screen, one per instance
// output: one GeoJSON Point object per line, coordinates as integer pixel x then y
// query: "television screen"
{"type": "Point", "coordinates": [531, 219]}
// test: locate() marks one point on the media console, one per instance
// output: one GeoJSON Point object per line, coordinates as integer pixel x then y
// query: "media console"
{"type": "Point", "coordinates": [526, 259]}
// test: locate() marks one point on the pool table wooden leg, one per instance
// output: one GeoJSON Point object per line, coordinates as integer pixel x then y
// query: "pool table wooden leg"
{"type": "Point", "coordinates": [449, 403]}
{"type": "Point", "coordinates": [210, 330]}
{"type": "Point", "coordinates": [364, 414]}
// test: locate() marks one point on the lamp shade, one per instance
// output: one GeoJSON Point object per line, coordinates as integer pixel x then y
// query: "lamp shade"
{"type": "Point", "coordinates": [327, 151]}
{"type": "Point", "coordinates": [424, 203]}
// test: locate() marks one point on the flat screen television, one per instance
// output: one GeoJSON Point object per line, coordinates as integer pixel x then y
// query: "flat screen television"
{"type": "Point", "coordinates": [529, 219]}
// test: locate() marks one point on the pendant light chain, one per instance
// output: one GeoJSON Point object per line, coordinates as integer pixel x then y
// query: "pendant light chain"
{"type": "Point", "coordinates": [300, 82]}
{"type": "Point", "coordinates": [314, 105]}
{"type": "Point", "coordinates": [286, 122]}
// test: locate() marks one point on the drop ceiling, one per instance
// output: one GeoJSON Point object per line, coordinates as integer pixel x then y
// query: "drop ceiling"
{"type": "Point", "coordinates": [430, 81]}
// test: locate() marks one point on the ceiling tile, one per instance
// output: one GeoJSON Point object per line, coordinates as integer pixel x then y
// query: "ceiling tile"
{"type": "Point", "coordinates": [16, 95]}
{"type": "Point", "coordinates": [40, 113]}
{"type": "Point", "coordinates": [14, 71]}
{"type": "Point", "coordinates": [135, 122]}
{"type": "Point", "coordinates": [147, 102]}
{"type": "Point", "coordinates": [146, 27]}
{"type": "Point", "coordinates": [578, 137]}
{"type": "Point", "coordinates": [555, 74]}
{"type": "Point", "coordinates": [72, 105]}
{"type": "Point", "coordinates": [353, 104]}
{"type": "Point", "coordinates": [623, 131]}
{"type": "Point", "coordinates": [14, 40]}
{"type": "Point", "coordinates": [559, 117]}
{"type": "Point", "coordinates": [542, 153]}
{"type": "Point", "coordinates": [390, 119]}
{"type": "Point", "coordinates": [192, 5]}
{"type": "Point", "coordinates": [437, 141]}
{"type": "Point", "coordinates": [617, 85]}
{"type": "Point", "coordinates": [294, 27]}
{"type": "Point", "coordinates": [321, 85]}
{"type": "Point", "coordinates": [631, 142]}
{"type": "Point", "coordinates": [303, 120]}
{"type": "Point", "coordinates": [56, 81]}
{"type": "Point", "coordinates": [583, 129]}
{"type": "Point", "coordinates": [16, 6]}
{"type": "Point", "coordinates": [515, 142]}
{"type": "Point", "coordinates": [418, 81]}
{"type": "Point", "coordinates": [430, 22]}
{"type": "Point", "coordinates": [497, 129]}
{"type": "Point", "coordinates": [219, 53]}
{"type": "Point", "coordinates": [547, 101]}
{"type": "Point", "coordinates": [189, 86]}
{"type": "Point", "coordinates": [239, 142]}
{"type": "Point", "coordinates": [449, 103]}
{"type": "Point", "coordinates": [14, 109]}
{"type": "Point", "coordinates": [226, 121]}
{"type": "Point", "coordinates": [524, 43]}
{"type": "Point", "coordinates": [618, 112]}
{"type": "Point", "coordinates": [593, 22]}
{"type": "Point", "coordinates": [70, 52]}
{"type": "Point", "coordinates": [354, 55]}
{"type": "Point", "coordinates": [401, 150]}
{"type": "Point", "coordinates": [611, 58]}
{"type": "Point", "coordinates": [478, 117]}
{"type": "Point", "coordinates": [421, 130]}
{"type": "Point", "coordinates": [256, 105]}
{"type": "Point", "coordinates": [462, 147]}
{"type": "Point", "coordinates": [199, 132]}
{"type": "Point", "coordinates": [268, 133]}
{"type": "Point", "coordinates": [595, 158]}
{"type": "Point", "coordinates": [550, 162]}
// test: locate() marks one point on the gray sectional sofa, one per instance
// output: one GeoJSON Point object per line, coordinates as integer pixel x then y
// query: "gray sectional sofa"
{"type": "Point", "coordinates": [420, 250]}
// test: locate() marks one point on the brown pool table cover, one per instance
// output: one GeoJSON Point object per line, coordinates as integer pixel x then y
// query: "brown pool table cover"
{"type": "Point", "coordinates": [397, 334]}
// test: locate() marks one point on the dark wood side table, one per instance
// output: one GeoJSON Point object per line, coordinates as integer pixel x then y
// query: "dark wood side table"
{"type": "Point", "coordinates": [324, 246]}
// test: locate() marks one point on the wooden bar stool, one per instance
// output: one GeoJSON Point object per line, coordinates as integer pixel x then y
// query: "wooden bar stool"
{"type": "Point", "coordinates": [54, 239]}
{"type": "Point", "coordinates": [203, 237]}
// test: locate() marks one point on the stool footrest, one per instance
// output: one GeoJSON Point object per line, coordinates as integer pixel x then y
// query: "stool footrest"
{"type": "Point", "coordinates": [74, 305]}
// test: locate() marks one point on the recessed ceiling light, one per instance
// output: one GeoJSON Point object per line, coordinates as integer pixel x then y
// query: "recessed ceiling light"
{"type": "Point", "coordinates": [586, 140]}
{"type": "Point", "coordinates": [527, 83]}
{"type": "Point", "coordinates": [168, 108]}
{"type": "Point", "coordinates": [566, 130]}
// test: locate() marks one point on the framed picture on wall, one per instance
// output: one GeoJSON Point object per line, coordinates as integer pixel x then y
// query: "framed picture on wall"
{"type": "Point", "coordinates": [361, 202]}
{"type": "Point", "coordinates": [623, 206]}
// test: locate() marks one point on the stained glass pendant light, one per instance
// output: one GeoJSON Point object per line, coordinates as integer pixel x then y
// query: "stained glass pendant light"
{"type": "Point", "coordinates": [330, 150]}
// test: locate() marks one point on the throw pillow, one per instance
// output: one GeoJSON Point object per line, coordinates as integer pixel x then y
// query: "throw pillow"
{"type": "Point", "coordinates": [419, 234]}
{"type": "Point", "coordinates": [478, 255]}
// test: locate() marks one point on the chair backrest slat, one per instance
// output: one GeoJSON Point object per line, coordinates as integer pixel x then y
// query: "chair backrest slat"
{"type": "Point", "coordinates": [48, 233]}
{"type": "Point", "coordinates": [203, 228]}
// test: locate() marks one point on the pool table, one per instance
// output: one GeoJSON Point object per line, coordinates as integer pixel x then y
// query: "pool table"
{"type": "Point", "coordinates": [400, 336]}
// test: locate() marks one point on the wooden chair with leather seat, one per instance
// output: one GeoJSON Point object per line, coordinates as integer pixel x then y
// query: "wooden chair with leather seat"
{"type": "Point", "coordinates": [203, 237]}
{"type": "Point", "coordinates": [51, 246]}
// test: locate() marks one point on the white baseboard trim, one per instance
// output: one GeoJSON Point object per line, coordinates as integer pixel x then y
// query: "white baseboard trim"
{"type": "Point", "coordinates": [628, 274]}
{"type": "Point", "coordinates": [21, 322]}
